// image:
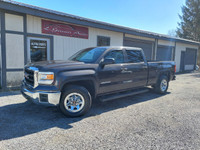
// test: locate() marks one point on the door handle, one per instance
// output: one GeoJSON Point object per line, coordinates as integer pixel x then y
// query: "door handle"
{"type": "Point", "coordinates": [144, 66]}
{"type": "Point", "coordinates": [125, 70]}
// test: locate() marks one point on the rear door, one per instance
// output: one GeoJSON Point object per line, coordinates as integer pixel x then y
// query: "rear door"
{"type": "Point", "coordinates": [137, 69]}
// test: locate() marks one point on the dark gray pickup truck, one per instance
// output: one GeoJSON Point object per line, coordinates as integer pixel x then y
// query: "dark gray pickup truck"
{"type": "Point", "coordinates": [98, 73]}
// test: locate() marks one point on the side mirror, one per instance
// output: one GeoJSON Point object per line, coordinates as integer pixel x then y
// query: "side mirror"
{"type": "Point", "coordinates": [108, 61]}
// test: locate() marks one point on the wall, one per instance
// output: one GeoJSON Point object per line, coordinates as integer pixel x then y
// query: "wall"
{"type": "Point", "coordinates": [181, 47]}
{"type": "Point", "coordinates": [166, 43]}
{"type": "Point", "coordinates": [198, 58]}
{"type": "Point", "coordinates": [64, 47]}
{"type": "Point", "coordinates": [139, 37]}
{"type": "Point", "coordinates": [14, 49]}
{"type": "Point", "coordinates": [0, 53]}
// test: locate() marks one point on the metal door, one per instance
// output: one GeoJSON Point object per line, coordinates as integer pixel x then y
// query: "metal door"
{"type": "Point", "coordinates": [164, 53]}
{"type": "Point", "coordinates": [145, 45]}
{"type": "Point", "coordinates": [182, 65]}
{"type": "Point", "coordinates": [190, 59]}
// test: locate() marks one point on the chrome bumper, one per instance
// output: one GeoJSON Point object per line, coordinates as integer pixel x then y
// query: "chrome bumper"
{"type": "Point", "coordinates": [53, 98]}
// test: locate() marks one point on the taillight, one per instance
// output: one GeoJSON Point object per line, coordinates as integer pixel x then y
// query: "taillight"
{"type": "Point", "coordinates": [174, 68]}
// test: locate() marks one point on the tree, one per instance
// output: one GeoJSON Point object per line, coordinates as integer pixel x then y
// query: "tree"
{"type": "Point", "coordinates": [189, 27]}
{"type": "Point", "coordinates": [172, 33]}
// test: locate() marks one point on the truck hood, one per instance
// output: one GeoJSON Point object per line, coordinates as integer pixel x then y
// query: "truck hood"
{"type": "Point", "coordinates": [54, 64]}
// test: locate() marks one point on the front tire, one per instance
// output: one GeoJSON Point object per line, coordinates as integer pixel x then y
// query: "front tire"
{"type": "Point", "coordinates": [162, 84]}
{"type": "Point", "coordinates": [75, 101]}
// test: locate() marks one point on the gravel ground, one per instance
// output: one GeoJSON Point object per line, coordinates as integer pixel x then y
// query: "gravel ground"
{"type": "Point", "coordinates": [145, 121]}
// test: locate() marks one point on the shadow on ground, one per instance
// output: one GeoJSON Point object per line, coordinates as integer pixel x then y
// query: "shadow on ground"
{"type": "Point", "coordinates": [22, 119]}
{"type": "Point", "coordinates": [9, 93]}
{"type": "Point", "coordinates": [197, 75]}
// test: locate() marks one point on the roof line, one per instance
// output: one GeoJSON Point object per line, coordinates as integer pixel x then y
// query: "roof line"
{"type": "Point", "coordinates": [52, 14]}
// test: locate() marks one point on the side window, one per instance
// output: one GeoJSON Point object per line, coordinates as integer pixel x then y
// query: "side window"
{"type": "Point", "coordinates": [134, 56]}
{"type": "Point", "coordinates": [103, 41]}
{"type": "Point", "coordinates": [117, 55]}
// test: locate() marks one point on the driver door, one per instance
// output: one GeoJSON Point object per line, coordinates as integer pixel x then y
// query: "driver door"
{"type": "Point", "coordinates": [111, 76]}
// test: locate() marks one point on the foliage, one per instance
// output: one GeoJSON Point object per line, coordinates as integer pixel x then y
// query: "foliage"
{"type": "Point", "coordinates": [189, 27]}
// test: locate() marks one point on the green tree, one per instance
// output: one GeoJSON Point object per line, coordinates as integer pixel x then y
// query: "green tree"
{"type": "Point", "coordinates": [189, 27]}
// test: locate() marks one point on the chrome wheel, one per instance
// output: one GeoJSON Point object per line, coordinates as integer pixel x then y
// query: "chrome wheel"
{"type": "Point", "coordinates": [74, 102]}
{"type": "Point", "coordinates": [163, 85]}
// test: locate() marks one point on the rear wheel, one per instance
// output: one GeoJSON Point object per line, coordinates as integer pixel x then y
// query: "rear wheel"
{"type": "Point", "coordinates": [75, 101]}
{"type": "Point", "coordinates": [162, 85]}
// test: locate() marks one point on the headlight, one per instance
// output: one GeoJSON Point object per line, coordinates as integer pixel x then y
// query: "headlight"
{"type": "Point", "coordinates": [45, 77]}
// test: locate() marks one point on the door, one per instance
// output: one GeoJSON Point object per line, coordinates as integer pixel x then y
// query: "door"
{"type": "Point", "coordinates": [137, 69]}
{"type": "Point", "coordinates": [164, 53]}
{"type": "Point", "coordinates": [38, 49]}
{"type": "Point", "coordinates": [190, 59]}
{"type": "Point", "coordinates": [111, 76]}
{"type": "Point", "coordinates": [147, 46]}
{"type": "Point", "coordinates": [182, 65]}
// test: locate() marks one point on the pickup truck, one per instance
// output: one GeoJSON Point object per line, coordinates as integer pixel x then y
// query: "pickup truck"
{"type": "Point", "coordinates": [97, 73]}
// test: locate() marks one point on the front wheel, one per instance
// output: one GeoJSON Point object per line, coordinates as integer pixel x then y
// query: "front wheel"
{"type": "Point", "coordinates": [75, 101]}
{"type": "Point", "coordinates": [162, 85]}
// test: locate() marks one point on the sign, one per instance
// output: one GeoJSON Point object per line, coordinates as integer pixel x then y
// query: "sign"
{"type": "Point", "coordinates": [56, 28]}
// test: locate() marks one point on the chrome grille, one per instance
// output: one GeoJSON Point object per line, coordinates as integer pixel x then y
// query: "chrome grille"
{"type": "Point", "coordinates": [30, 76]}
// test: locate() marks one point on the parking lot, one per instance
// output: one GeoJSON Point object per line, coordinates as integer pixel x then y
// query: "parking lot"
{"type": "Point", "coordinates": [145, 121]}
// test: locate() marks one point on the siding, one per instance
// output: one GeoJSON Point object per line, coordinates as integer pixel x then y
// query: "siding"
{"type": "Point", "coordinates": [14, 51]}
{"type": "Point", "coordinates": [139, 37]}
{"type": "Point", "coordinates": [66, 46]}
{"type": "Point", "coordinates": [13, 22]}
{"type": "Point", "coordinates": [167, 43]}
{"type": "Point", "coordinates": [14, 79]}
{"type": "Point", "coordinates": [33, 24]}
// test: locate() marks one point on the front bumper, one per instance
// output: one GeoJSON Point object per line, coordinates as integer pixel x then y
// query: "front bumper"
{"type": "Point", "coordinates": [41, 97]}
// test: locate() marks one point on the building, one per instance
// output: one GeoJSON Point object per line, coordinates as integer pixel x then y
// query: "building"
{"type": "Point", "coordinates": [30, 33]}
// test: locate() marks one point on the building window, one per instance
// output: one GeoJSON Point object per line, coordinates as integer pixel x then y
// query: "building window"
{"type": "Point", "coordinates": [103, 41]}
{"type": "Point", "coordinates": [38, 49]}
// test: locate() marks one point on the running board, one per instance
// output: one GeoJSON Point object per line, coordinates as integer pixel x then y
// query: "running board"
{"type": "Point", "coordinates": [123, 94]}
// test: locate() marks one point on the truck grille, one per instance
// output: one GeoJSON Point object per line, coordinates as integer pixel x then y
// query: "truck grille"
{"type": "Point", "coordinates": [30, 75]}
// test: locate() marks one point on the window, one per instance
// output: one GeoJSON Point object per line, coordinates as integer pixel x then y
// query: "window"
{"type": "Point", "coordinates": [38, 49]}
{"type": "Point", "coordinates": [103, 41]}
{"type": "Point", "coordinates": [89, 55]}
{"type": "Point", "coordinates": [134, 56]}
{"type": "Point", "coordinates": [117, 55]}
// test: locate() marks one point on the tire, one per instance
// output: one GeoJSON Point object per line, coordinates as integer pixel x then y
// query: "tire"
{"type": "Point", "coordinates": [162, 84]}
{"type": "Point", "coordinates": [78, 99]}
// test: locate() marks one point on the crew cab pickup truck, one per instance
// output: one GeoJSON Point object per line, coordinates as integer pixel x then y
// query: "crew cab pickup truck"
{"type": "Point", "coordinates": [97, 73]}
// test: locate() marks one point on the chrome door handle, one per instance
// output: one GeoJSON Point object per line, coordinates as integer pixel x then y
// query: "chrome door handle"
{"type": "Point", "coordinates": [144, 66]}
{"type": "Point", "coordinates": [125, 70]}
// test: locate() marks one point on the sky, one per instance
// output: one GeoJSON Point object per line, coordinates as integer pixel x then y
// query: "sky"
{"type": "Point", "coordinates": [158, 16]}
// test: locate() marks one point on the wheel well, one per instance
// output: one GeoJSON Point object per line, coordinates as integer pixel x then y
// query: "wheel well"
{"type": "Point", "coordinates": [88, 84]}
{"type": "Point", "coordinates": [166, 74]}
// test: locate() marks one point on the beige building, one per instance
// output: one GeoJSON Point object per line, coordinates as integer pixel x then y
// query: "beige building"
{"type": "Point", "coordinates": [30, 33]}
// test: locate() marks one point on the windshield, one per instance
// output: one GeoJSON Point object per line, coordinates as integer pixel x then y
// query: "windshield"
{"type": "Point", "coordinates": [89, 55]}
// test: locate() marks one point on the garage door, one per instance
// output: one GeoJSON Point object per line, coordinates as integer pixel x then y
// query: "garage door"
{"type": "Point", "coordinates": [164, 53]}
{"type": "Point", "coordinates": [190, 58]}
{"type": "Point", "coordinates": [146, 46]}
